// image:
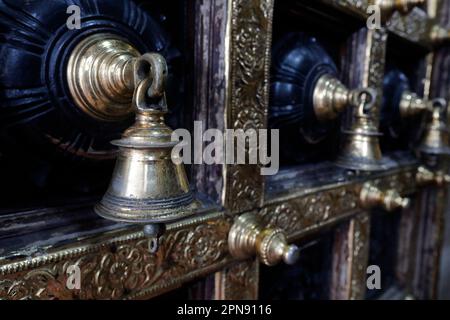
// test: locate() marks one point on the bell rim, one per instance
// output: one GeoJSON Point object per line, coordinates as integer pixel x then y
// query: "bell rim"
{"type": "Point", "coordinates": [145, 216]}
{"type": "Point", "coordinates": [361, 165]}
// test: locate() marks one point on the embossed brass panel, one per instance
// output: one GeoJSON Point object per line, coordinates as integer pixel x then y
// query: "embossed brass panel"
{"type": "Point", "coordinates": [118, 265]}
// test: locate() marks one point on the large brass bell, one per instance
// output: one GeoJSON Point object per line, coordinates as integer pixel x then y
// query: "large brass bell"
{"type": "Point", "coordinates": [147, 186]}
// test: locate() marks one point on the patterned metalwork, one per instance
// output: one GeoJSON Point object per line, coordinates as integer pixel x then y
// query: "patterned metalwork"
{"type": "Point", "coordinates": [250, 37]}
{"type": "Point", "coordinates": [119, 266]}
{"type": "Point", "coordinates": [239, 281]}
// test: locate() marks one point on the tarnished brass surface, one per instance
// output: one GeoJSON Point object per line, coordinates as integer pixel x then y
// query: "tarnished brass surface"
{"type": "Point", "coordinates": [425, 176]}
{"type": "Point", "coordinates": [239, 281]}
{"type": "Point", "coordinates": [372, 196]}
{"type": "Point", "coordinates": [118, 265]}
{"type": "Point", "coordinates": [148, 185]}
{"type": "Point", "coordinates": [248, 237]}
{"type": "Point", "coordinates": [100, 76]}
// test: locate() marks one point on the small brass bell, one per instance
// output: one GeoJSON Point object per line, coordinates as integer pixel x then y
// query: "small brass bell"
{"type": "Point", "coordinates": [147, 186]}
{"type": "Point", "coordinates": [436, 137]}
{"type": "Point", "coordinates": [361, 148]}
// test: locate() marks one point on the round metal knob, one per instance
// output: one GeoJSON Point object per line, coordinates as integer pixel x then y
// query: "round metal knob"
{"type": "Point", "coordinates": [248, 237]}
{"type": "Point", "coordinates": [390, 200]}
{"type": "Point", "coordinates": [425, 176]}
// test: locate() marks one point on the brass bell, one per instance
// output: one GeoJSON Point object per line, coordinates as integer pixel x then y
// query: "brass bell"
{"type": "Point", "coordinates": [147, 186]}
{"type": "Point", "coordinates": [361, 148]}
{"type": "Point", "coordinates": [436, 137]}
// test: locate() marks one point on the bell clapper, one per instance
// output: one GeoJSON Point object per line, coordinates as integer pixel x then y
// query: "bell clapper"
{"type": "Point", "coordinates": [153, 232]}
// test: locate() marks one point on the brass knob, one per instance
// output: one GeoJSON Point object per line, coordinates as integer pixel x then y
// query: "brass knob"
{"type": "Point", "coordinates": [425, 177]}
{"type": "Point", "coordinates": [248, 237]}
{"type": "Point", "coordinates": [411, 104]}
{"type": "Point", "coordinates": [390, 200]}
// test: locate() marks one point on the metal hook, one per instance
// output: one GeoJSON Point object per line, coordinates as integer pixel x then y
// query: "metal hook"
{"type": "Point", "coordinates": [364, 99]}
{"type": "Point", "coordinates": [157, 72]}
{"type": "Point", "coordinates": [149, 92]}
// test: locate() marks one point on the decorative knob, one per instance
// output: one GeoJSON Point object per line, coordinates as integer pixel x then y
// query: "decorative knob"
{"type": "Point", "coordinates": [425, 176]}
{"type": "Point", "coordinates": [411, 104]}
{"type": "Point", "coordinates": [399, 102]}
{"type": "Point", "coordinates": [248, 237]}
{"type": "Point", "coordinates": [390, 200]}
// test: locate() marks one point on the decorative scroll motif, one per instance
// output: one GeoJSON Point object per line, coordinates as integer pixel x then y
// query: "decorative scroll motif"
{"type": "Point", "coordinates": [413, 27]}
{"type": "Point", "coordinates": [121, 268]}
{"type": "Point", "coordinates": [251, 27]}
{"type": "Point", "coordinates": [311, 211]}
{"type": "Point", "coordinates": [240, 281]}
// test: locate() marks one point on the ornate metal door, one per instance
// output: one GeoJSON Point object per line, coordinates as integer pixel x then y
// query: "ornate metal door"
{"type": "Point", "coordinates": [356, 89]}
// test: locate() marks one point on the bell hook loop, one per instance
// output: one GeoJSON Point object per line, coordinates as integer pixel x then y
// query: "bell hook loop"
{"type": "Point", "coordinates": [363, 99]}
{"type": "Point", "coordinates": [154, 66]}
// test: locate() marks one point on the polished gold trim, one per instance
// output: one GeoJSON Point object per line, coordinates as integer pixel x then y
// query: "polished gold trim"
{"type": "Point", "coordinates": [249, 39]}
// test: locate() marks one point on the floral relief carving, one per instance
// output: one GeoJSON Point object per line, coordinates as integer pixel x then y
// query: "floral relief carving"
{"type": "Point", "coordinates": [117, 270]}
{"type": "Point", "coordinates": [248, 102]}
{"type": "Point", "coordinates": [311, 210]}
{"type": "Point", "coordinates": [241, 281]}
